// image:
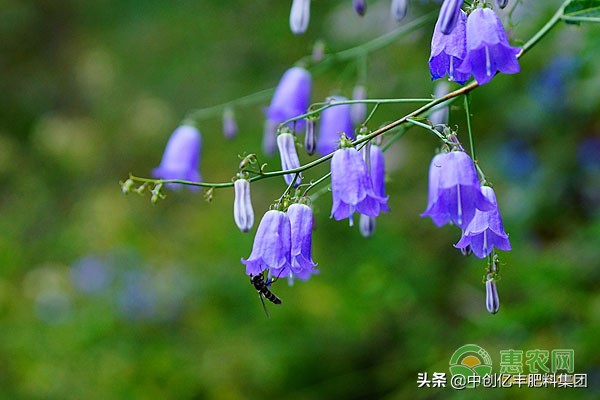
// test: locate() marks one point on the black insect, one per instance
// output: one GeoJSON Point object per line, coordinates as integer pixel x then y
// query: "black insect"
{"type": "Point", "coordinates": [263, 289]}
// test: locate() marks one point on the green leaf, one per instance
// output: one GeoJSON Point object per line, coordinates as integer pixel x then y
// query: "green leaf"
{"type": "Point", "coordinates": [582, 11]}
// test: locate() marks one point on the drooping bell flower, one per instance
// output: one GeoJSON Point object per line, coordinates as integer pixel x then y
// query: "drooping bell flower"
{"type": "Point", "coordinates": [488, 50]}
{"type": "Point", "coordinates": [449, 51]}
{"type": "Point", "coordinates": [376, 169]}
{"type": "Point", "coordinates": [360, 6]}
{"type": "Point", "coordinates": [301, 221]}
{"type": "Point", "coordinates": [230, 127]}
{"type": "Point", "coordinates": [181, 157]}
{"type": "Point", "coordinates": [454, 190]}
{"type": "Point", "coordinates": [492, 300]}
{"type": "Point", "coordinates": [485, 231]}
{"type": "Point", "coordinates": [272, 246]}
{"type": "Point", "coordinates": [299, 16]}
{"type": "Point", "coordinates": [358, 111]}
{"type": "Point", "coordinates": [243, 213]}
{"type": "Point", "coordinates": [351, 186]}
{"type": "Point", "coordinates": [449, 16]}
{"type": "Point", "coordinates": [398, 9]}
{"type": "Point", "coordinates": [335, 121]}
{"type": "Point", "coordinates": [291, 98]}
{"type": "Point", "coordinates": [289, 157]}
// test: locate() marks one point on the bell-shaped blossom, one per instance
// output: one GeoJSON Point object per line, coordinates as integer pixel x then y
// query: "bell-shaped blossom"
{"type": "Point", "coordinates": [299, 16]}
{"type": "Point", "coordinates": [272, 246]}
{"type": "Point", "coordinates": [454, 190]}
{"type": "Point", "coordinates": [377, 172]}
{"type": "Point", "coordinates": [485, 231]}
{"type": "Point", "coordinates": [289, 157]}
{"type": "Point", "coordinates": [351, 186]}
{"type": "Point", "coordinates": [335, 121]}
{"type": "Point", "coordinates": [449, 16]}
{"type": "Point", "coordinates": [243, 213]}
{"type": "Point", "coordinates": [360, 6]}
{"type": "Point", "coordinates": [398, 9]}
{"type": "Point", "coordinates": [448, 51]}
{"type": "Point", "coordinates": [488, 49]}
{"type": "Point", "coordinates": [181, 157]}
{"type": "Point", "coordinates": [230, 127]}
{"type": "Point", "coordinates": [358, 111]}
{"type": "Point", "coordinates": [301, 221]}
{"type": "Point", "coordinates": [310, 137]}
{"type": "Point", "coordinates": [291, 98]}
{"type": "Point", "coordinates": [492, 300]}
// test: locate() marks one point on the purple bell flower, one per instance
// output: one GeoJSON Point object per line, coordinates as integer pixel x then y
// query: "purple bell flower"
{"type": "Point", "coordinates": [272, 246]}
{"type": "Point", "coordinates": [181, 157]}
{"type": "Point", "coordinates": [243, 213]}
{"type": "Point", "coordinates": [448, 51]}
{"type": "Point", "coordinates": [358, 111]}
{"type": "Point", "coordinates": [301, 221]}
{"type": "Point", "coordinates": [449, 16]}
{"type": "Point", "coordinates": [334, 121]}
{"type": "Point", "coordinates": [492, 300]}
{"type": "Point", "coordinates": [291, 98]}
{"type": "Point", "coordinates": [454, 190]}
{"type": "Point", "coordinates": [351, 186]}
{"type": "Point", "coordinates": [299, 16]}
{"type": "Point", "coordinates": [488, 49]}
{"type": "Point", "coordinates": [485, 231]}
{"type": "Point", "coordinates": [360, 6]}
{"type": "Point", "coordinates": [289, 157]}
{"type": "Point", "coordinates": [377, 172]}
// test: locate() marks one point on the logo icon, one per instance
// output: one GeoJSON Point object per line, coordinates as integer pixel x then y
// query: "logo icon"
{"type": "Point", "coordinates": [469, 361]}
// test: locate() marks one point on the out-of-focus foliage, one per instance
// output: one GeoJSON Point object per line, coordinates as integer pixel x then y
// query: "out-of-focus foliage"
{"type": "Point", "coordinates": [107, 296]}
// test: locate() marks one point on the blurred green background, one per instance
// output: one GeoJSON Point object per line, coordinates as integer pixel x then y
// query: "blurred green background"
{"type": "Point", "coordinates": [106, 296]}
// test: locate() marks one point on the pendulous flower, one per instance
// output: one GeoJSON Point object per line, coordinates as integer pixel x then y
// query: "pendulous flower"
{"type": "Point", "coordinates": [448, 51]}
{"type": "Point", "coordinates": [291, 98]}
{"type": "Point", "coordinates": [301, 221]}
{"type": "Point", "coordinates": [376, 169]}
{"type": "Point", "coordinates": [299, 16]}
{"type": "Point", "coordinates": [243, 213]}
{"type": "Point", "coordinates": [488, 50]}
{"type": "Point", "coordinates": [398, 9]}
{"type": "Point", "coordinates": [485, 231]}
{"type": "Point", "coordinates": [449, 15]}
{"type": "Point", "coordinates": [454, 190]}
{"type": "Point", "coordinates": [335, 121]}
{"type": "Point", "coordinates": [181, 157]}
{"type": "Point", "coordinates": [289, 157]}
{"type": "Point", "coordinates": [360, 6]}
{"type": "Point", "coordinates": [351, 186]}
{"type": "Point", "coordinates": [272, 246]}
{"type": "Point", "coordinates": [492, 300]}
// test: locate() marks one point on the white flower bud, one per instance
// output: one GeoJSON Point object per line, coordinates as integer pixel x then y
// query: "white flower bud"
{"type": "Point", "coordinates": [299, 16]}
{"type": "Point", "coordinates": [243, 214]}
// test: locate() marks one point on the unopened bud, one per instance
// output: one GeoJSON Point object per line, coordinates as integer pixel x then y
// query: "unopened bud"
{"type": "Point", "coordinates": [289, 157]}
{"type": "Point", "coordinates": [360, 6]}
{"type": "Point", "coordinates": [501, 3]}
{"type": "Point", "coordinates": [310, 137]}
{"type": "Point", "coordinates": [492, 301]}
{"type": "Point", "coordinates": [126, 186]}
{"type": "Point", "coordinates": [243, 213]}
{"type": "Point", "coordinates": [366, 225]}
{"type": "Point", "coordinates": [156, 195]}
{"type": "Point", "coordinates": [230, 127]}
{"type": "Point", "coordinates": [398, 9]}
{"type": "Point", "coordinates": [299, 16]}
{"type": "Point", "coordinates": [358, 111]}
{"type": "Point", "coordinates": [449, 14]}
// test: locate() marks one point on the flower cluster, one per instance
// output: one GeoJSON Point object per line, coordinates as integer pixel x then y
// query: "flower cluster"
{"type": "Point", "coordinates": [476, 45]}
{"type": "Point", "coordinates": [283, 244]}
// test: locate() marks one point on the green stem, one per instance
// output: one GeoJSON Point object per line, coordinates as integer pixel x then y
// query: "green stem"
{"type": "Point", "coordinates": [469, 130]}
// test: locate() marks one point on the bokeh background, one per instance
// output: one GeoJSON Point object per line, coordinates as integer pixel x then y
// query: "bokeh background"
{"type": "Point", "coordinates": [107, 296]}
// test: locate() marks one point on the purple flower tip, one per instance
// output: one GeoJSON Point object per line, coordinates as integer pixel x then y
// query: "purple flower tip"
{"type": "Point", "coordinates": [454, 190]}
{"type": "Point", "coordinates": [335, 121]}
{"type": "Point", "coordinates": [448, 51]}
{"type": "Point", "coordinates": [291, 98]}
{"type": "Point", "coordinates": [301, 220]}
{"type": "Point", "coordinates": [449, 16]}
{"type": "Point", "coordinates": [181, 157]}
{"type": "Point", "coordinates": [360, 6]}
{"type": "Point", "coordinates": [485, 231]}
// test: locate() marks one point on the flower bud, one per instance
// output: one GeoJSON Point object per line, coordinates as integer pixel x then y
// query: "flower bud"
{"type": "Point", "coordinates": [449, 15]}
{"type": "Point", "coordinates": [289, 157]}
{"type": "Point", "coordinates": [501, 3]}
{"type": "Point", "coordinates": [126, 186]}
{"type": "Point", "coordinates": [358, 111]}
{"type": "Point", "coordinates": [398, 9]}
{"type": "Point", "coordinates": [318, 51]}
{"type": "Point", "coordinates": [492, 301]}
{"type": "Point", "coordinates": [439, 115]}
{"type": "Point", "coordinates": [366, 225]}
{"type": "Point", "coordinates": [310, 137]}
{"type": "Point", "coordinates": [299, 16]}
{"type": "Point", "coordinates": [230, 127]}
{"type": "Point", "coordinates": [360, 6]}
{"type": "Point", "coordinates": [243, 214]}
